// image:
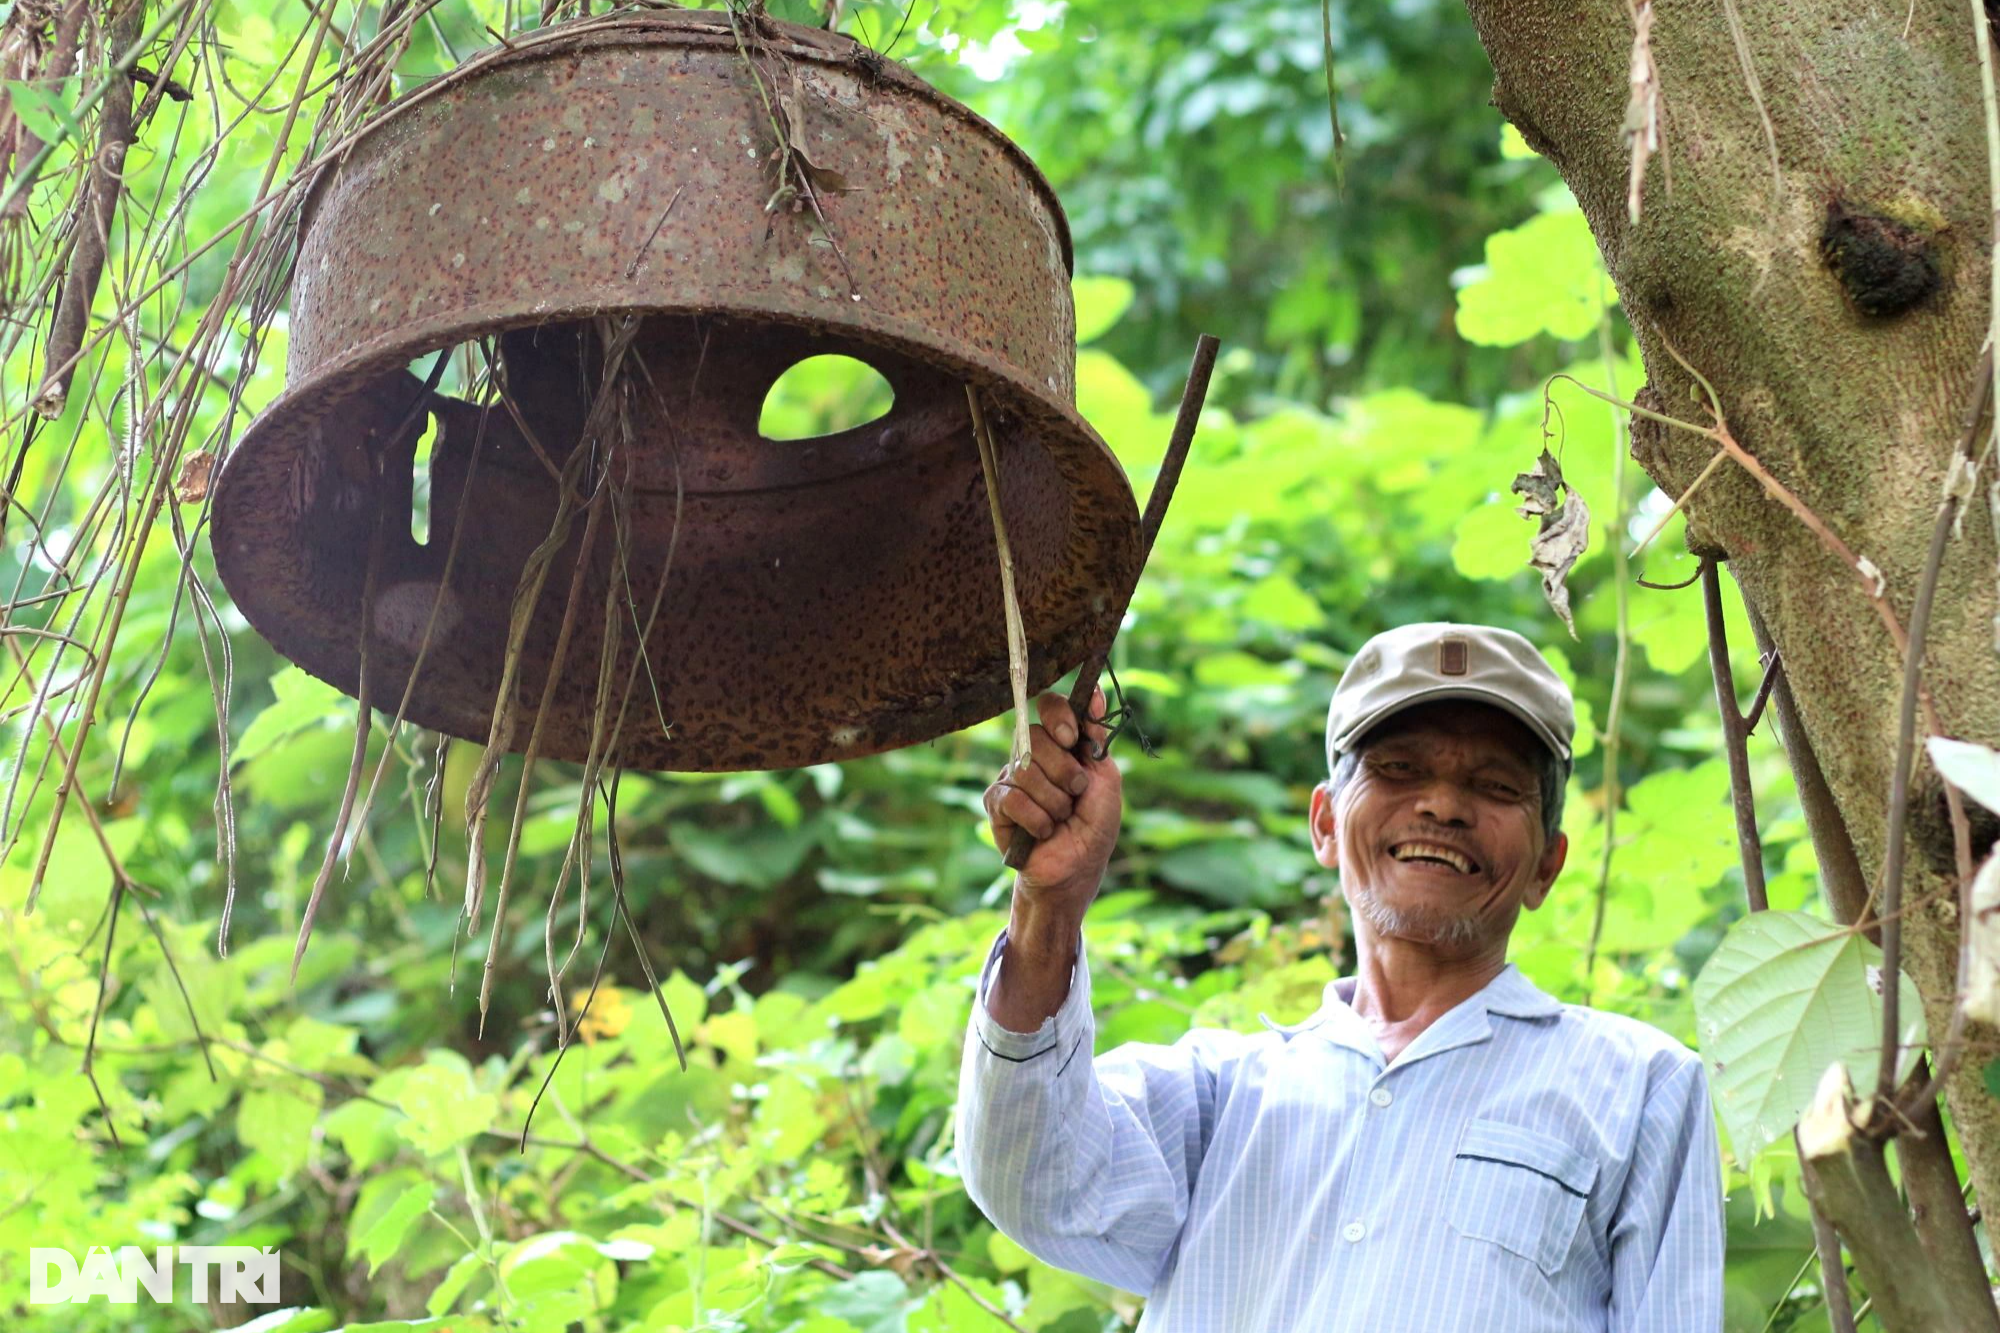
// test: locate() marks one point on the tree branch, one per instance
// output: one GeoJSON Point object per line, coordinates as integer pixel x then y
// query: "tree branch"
{"type": "Point", "coordinates": [1832, 1269]}
{"type": "Point", "coordinates": [1735, 734]}
{"type": "Point", "coordinates": [1899, 781]}
{"type": "Point", "coordinates": [1840, 875]}
{"type": "Point", "coordinates": [1848, 1179]}
{"type": "Point", "coordinates": [1937, 1203]}
{"type": "Point", "coordinates": [93, 230]}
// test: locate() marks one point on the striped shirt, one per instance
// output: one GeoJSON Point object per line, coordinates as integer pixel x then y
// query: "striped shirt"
{"type": "Point", "coordinates": [1523, 1166]}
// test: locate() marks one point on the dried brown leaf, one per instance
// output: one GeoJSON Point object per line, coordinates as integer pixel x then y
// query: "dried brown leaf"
{"type": "Point", "coordinates": [1642, 112]}
{"type": "Point", "coordinates": [1564, 531]}
{"type": "Point", "coordinates": [191, 487]}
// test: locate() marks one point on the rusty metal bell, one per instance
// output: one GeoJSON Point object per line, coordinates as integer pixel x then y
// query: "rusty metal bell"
{"type": "Point", "coordinates": [818, 599]}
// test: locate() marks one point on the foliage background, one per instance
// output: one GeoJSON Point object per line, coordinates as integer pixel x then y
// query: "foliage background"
{"type": "Point", "coordinates": [818, 930]}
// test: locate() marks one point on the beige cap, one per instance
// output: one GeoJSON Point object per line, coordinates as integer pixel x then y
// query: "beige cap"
{"type": "Point", "coordinates": [1416, 664]}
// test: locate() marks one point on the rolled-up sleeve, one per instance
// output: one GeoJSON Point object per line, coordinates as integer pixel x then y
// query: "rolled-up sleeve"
{"type": "Point", "coordinates": [1086, 1163]}
{"type": "Point", "coordinates": [1667, 1241]}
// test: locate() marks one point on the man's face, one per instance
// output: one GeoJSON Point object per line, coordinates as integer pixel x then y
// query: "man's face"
{"type": "Point", "coordinates": [1438, 836]}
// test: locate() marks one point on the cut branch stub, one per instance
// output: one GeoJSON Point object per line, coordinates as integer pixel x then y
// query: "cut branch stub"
{"type": "Point", "coordinates": [829, 597]}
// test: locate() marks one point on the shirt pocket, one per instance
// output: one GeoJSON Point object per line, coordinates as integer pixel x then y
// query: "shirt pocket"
{"type": "Point", "coordinates": [1519, 1189]}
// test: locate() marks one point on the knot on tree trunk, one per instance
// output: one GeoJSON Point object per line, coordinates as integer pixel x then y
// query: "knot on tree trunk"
{"type": "Point", "coordinates": [1888, 265]}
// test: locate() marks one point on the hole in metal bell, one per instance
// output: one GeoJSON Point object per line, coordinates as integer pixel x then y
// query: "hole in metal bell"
{"type": "Point", "coordinates": [824, 395]}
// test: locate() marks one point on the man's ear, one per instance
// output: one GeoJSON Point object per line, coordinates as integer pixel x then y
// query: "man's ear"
{"type": "Point", "coordinates": [1546, 871]}
{"type": "Point", "coordinates": [1326, 848]}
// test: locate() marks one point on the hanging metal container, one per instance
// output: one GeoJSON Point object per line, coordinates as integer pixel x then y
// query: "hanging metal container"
{"type": "Point", "coordinates": [759, 194]}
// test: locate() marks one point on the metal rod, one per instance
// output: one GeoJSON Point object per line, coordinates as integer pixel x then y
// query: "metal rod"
{"type": "Point", "coordinates": [1022, 844]}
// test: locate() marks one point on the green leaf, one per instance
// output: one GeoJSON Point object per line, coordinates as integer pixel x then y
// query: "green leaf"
{"type": "Point", "coordinates": [1006, 1255]}
{"type": "Point", "coordinates": [757, 858]}
{"type": "Point", "coordinates": [457, 1323]}
{"type": "Point", "coordinates": [1239, 670]}
{"type": "Point", "coordinates": [1991, 1076]}
{"type": "Point", "coordinates": [381, 1240]}
{"type": "Point", "coordinates": [1540, 277]}
{"type": "Point", "coordinates": [1278, 600]}
{"type": "Point", "coordinates": [1783, 997]}
{"type": "Point", "coordinates": [46, 111]}
{"type": "Point", "coordinates": [1974, 769]}
{"type": "Point", "coordinates": [302, 701]}
{"type": "Point", "coordinates": [874, 1302]}
{"type": "Point", "coordinates": [1100, 303]}
{"type": "Point", "coordinates": [1670, 628]}
{"type": "Point", "coordinates": [279, 1122]}
{"type": "Point", "coordinates": [558, 1263]}
{"type": "Point", "coordinates": [365, 1132]}
{"type": "Point", "coordinates": [1237, 871]}
{"type": "Point", "coordinates": [1112, 399]}
{"type": "Point", "coordinates": [456, 1280]}
{"type": "Point", "coordinates": [292, 1320]}
{"type": "Point", "coordinates": [1491, 542]}
{"type": "Point", "coordinates": [443, 1108]}
{"type": "Point", "coordinates": [685, 1000]}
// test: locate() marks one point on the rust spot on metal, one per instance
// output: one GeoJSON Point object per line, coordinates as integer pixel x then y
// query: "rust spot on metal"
{"type": "Point", "coordinates": [827, 599]}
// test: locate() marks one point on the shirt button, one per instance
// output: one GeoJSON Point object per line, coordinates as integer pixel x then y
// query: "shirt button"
{"type": "Point", "coordinates": [1381, 1096]}
{"type": "Point", "coordinates": [1354, 1231]}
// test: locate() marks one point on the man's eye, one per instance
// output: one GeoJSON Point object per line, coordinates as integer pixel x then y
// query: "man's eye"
{"type": "Point", "coordinates": [1503, 791]}
{"type": "Point", "coordinates": [1397, 766]}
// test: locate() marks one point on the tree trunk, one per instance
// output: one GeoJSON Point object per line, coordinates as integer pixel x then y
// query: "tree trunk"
{"type": "Point", "coordinates": [1827, 269]}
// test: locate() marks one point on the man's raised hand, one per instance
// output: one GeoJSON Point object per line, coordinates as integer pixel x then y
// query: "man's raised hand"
{"type": "Point", "coordinates": [1070, 805]}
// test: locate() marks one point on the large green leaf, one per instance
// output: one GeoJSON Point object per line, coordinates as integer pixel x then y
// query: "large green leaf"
{"type": "Point", "coordinates": [278, 1122]}
{"type": "Point", "coordinates": [1099, 304]}
{"type": "Point", "coordinates": [301, 701]}
{"type": "Point", "coordinates": [381, 1240]}
{"type": "Point", "coordinates": [757, 857]}
{"type": "Point", "coordinates": [443, 1109]}
{"type": "Point", "coordinates": [1540, 277]}
{"type": "Point", "coordinates": [1784, 996]}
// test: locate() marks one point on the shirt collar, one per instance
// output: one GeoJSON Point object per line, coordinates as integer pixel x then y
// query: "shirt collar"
{"type": "Point", "coordinates": [1509, 994]}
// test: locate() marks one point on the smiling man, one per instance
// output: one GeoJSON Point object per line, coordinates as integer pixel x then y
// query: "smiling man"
{"type": "Point", "coordinates": [1441, 1147]}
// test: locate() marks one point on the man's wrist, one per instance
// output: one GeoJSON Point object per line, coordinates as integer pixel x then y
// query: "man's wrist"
{"type": "Point", "coordinates": [1035, 966]}
{"type": "Point", "coordinates": [1043, 939]}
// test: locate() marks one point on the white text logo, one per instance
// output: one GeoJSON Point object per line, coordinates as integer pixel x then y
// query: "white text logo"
{"type": "Point", "coordinates": [240, 1272]}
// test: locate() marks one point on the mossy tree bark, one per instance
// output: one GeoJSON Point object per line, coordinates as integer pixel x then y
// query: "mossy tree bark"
{"type": "Point", "coordinates": [1820, 251]}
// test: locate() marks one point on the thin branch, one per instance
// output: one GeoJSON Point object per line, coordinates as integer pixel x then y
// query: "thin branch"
{"type": "Point", "coordinates": [1680, 503]}
{"type": "Point", "coordinates": [180, 983]}
{"type": "Point", "coordinates": [364, 716]}
{"type": "Point", "coordinates": [936, 1261]}
{"type": "Point", "coordinates": [1756, 90]}
{"type": "Point", "coordinates": [106, 183]}
{"type": "Point", "coordinates": [1734, 733]}
{"type": "Point", "coordinates": [1017, 635]}
{"type": "Point", "coordinates": [115, 77]}
{"type": "Point", "coordinates": [1982, 41]}
{"type": "Point", "coordinates": [97, 1010]}
{"type": "Point", "coordinates": [1774, 667]}
{"type": "Point", "coordinates": [1621, 580]}
{"type": "Point", "coordinates": [1899, 780]}
{"type": "Point", "coordinates": [1832, 1273]}
{"type": "Point", "coordinates": [1840, 874]}
{"type": "Point", "coordinates": [111, 858]}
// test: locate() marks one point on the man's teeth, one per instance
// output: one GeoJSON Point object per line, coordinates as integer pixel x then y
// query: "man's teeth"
{"type": "Point", "coordinates": [1430, 851]}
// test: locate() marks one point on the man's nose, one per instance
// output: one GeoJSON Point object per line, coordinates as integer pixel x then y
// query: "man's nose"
{"type": "Point", "coordinates": [1446, 803]}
